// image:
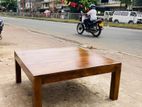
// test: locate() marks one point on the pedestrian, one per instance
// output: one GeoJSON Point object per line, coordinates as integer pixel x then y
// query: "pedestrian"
{"type": "Point", "coordinates": [106, 17]}
{"type": "Point", "coordinates": [1, 27]}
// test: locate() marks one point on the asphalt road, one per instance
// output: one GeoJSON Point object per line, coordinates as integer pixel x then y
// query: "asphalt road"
{"type": "Point", "coordinates": [117, 39]}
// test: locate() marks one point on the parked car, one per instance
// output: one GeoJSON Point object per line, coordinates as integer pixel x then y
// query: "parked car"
{"type": "Point", "coordinates": [130, 17]}
{"type": "Point", "coordinates": [139, 15]}
{"type": "Point", "coordinates": [107, 15]}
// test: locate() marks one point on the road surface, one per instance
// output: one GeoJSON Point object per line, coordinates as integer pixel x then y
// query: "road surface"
{"type": "Point", "coordinates": [127, 41]}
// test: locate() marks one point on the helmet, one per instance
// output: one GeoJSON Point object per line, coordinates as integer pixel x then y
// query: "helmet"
{"type": "Point", "coordinates": [92, 6]}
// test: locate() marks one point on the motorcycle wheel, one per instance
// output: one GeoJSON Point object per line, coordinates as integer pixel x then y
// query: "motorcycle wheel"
{"type": "Point", "coordinates": [97, 32]}
{"type": "Point", "coordinates": [80, 28]}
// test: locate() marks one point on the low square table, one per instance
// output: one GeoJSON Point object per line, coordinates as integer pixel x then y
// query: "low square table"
{"type": "Point", "coordinates": [59, 64]}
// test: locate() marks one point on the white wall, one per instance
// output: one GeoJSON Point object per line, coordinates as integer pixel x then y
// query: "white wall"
{"type": "Point", "coordinates": [114, 1]}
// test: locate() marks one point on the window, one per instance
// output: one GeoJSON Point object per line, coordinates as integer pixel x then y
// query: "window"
{"type": "Point", "coordinates": [124, 13]}
{"type": "Point", "coordinates": [133, 14]}
{"type": "Point", "coordinates": [117, 13]}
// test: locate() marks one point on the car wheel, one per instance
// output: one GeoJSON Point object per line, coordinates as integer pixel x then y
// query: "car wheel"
{"type": "Point", "coordinates": [116, 21]}
{"type": "Point", "coordinates": [130, 22]}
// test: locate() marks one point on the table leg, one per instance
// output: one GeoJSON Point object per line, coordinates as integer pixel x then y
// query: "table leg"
{"type": "Point", "coordinates": [37, 101]}
{"type": "Point", "coordinates": [115, 81]}
{"type": "Point", "coordinates": [18, 72]}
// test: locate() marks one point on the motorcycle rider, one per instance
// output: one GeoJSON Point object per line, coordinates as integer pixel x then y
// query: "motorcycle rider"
{"type": "Point", "coordinates": [92, 14]}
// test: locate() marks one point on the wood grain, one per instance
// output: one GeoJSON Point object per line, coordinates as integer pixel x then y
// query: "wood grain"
{"type": "Point", "coordinates": [59, 64]}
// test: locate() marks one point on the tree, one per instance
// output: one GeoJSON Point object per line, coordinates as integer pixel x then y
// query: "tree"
{"type": "Point", "coordinates": [80, 5]}
{"type": "Point", "coordinates": [9, 4]}
{"type": "Point", "coordinates": [137, 2]}
{"type": "Point", "coordinates": [126, 2]}
{"type": "Point", "coordinates": [86, 3]}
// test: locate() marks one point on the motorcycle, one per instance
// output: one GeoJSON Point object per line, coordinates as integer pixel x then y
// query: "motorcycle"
{"type": "Point", "coordinates": [95, 26]}
{"type": "Point", "coordinates": [1, 27]}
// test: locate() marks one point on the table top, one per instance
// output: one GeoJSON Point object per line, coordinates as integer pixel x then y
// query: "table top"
{"type": "Point", "coordinates": [55, 60]}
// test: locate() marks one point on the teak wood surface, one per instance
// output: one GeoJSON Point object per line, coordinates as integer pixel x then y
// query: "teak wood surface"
{"type": "Point", "coordinates": [58, 64]}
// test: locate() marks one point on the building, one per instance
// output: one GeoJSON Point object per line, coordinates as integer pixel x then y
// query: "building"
{"type": "Point", "coordinates": [112, 5]}
{"type": "Point", "coordinates": [52, 5]}
{"type": "Point", "coordinates": [137, 5]}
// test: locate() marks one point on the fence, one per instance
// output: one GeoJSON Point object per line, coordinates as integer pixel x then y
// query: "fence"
{"type": "Point", "coordinates": [66, 15]}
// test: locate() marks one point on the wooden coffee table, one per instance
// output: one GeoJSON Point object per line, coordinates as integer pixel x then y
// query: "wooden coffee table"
{"type": "Point", "coordinates": [59, 64]}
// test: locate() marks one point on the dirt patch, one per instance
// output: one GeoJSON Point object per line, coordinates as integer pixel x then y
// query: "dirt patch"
{"type": "Point", "coordinates": [85, 92]}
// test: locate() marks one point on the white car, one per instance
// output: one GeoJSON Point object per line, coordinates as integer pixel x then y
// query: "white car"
{"type": "Point", "coordinates": [130, 17]}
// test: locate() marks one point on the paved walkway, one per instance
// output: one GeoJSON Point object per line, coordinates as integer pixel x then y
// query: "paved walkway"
{"type": "Point", "coordinates": [85, 92]}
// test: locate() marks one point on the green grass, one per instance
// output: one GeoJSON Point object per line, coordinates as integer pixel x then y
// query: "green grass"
{"type": "Point", "coordinates": [132, 26]}
{"type": "Point", "coordinates": [43, 18]}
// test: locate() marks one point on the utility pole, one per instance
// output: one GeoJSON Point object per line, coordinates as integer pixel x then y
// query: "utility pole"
{"type": "Point", "coordinates": [23, 7]}
{"type": "Point", "coordinates": [53, 5]}
{"type": "Point", "coordinates": [17, 7]}
{"type": "Point", "coordinates": [30, 3]}
{"type": "Point", "coordinates": [132, 4]}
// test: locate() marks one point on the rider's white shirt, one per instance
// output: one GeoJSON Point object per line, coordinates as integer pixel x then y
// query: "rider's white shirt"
{"type": "Point", "coordinates": [93, 14]}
